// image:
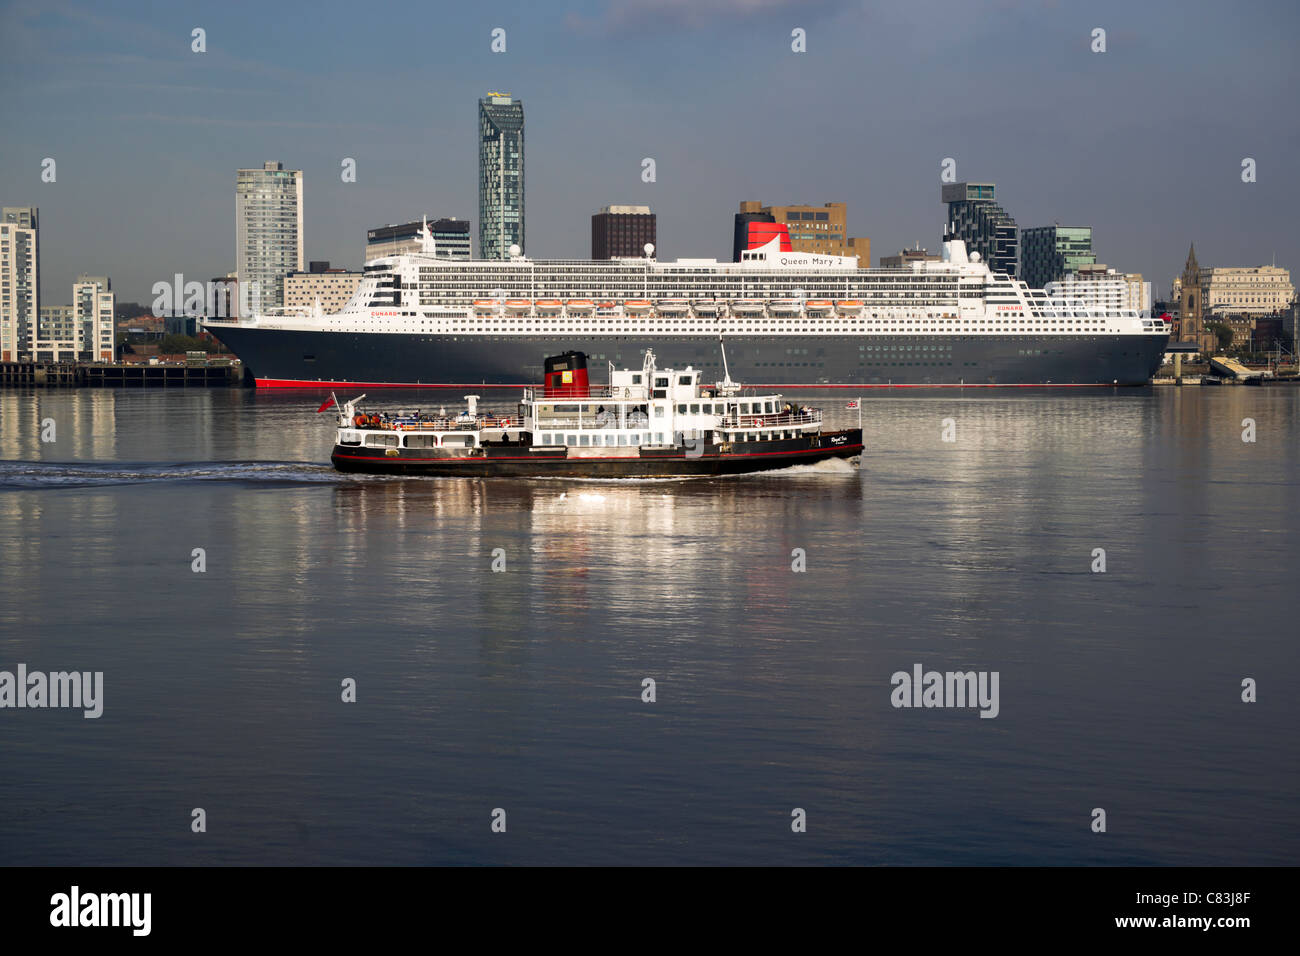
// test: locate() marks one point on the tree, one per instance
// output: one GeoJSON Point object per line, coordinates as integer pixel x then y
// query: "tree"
{"type": "Point", "coordinates": [1223, 332]}
{"type": "Point", "coordinates": [175, 344]}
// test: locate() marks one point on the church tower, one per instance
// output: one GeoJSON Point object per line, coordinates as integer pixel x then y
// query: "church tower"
{"type": "Point", "coordinates": [1191, 308]}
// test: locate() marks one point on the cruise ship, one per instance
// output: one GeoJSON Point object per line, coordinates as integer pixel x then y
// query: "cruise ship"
{"type": "Point", "coordinates": [788, 319]}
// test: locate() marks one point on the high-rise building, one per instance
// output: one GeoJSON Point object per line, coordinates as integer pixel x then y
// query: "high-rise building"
{"type": "Point", "coordinates": [500, 175]}
{"type": "Point", "coordinates": [268, 231]}
{"type": "Point", "coordinates": [817, 229]}
{"type": "Point", "coordinates": [1049, 253]}
{"type": "Point", "coordinates": [975, 217]}
{"type": "Point", "coordinates": [20, 281]}
{"type": "Point", "coordinates": [450, 238]}
{"type": "Point", "coordinates": [623, 231]}
{"type": "Point", "coordinates": [93, 317]}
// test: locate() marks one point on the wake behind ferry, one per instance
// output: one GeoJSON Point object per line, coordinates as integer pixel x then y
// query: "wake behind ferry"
{"type": "Point", "coordinates": [790, 319]}
{"type": "Point", "coordinates": [646, 423]}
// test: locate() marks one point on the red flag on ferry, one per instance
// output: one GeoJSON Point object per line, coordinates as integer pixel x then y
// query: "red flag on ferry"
{"type": "Point", "coordinates": [326, 405]}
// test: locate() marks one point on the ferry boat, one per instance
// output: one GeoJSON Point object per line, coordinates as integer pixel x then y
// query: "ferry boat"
{"type": "Point", "coordinates": [649, 422]}
{"type": "Point", "coordinates": [424, 320]}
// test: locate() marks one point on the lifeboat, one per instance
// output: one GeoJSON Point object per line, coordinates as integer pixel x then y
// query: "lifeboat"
{"type": "Point", "coordinates": [747, 307]}
{"type": "Point", "coordinates": [672, 306]}
{"type": "Point", "coordinates": [848, 306]}
{"type": "Point", "coordinates": [784, 307]}
{"type": "Point", "coordinates": [548, 305]}
{"type": "Point", "coordinates": [519, 305]}
{"type": "Point", "coordinates": [579, 305]}
{"type": "Point", "coordinates": [817, 305]}
{"type": "Point", "coordinates": [636, 305]}
{"type": "Point", "coordinates": [705, 306]}
{"type": "Point", "coordinates": [605, 305]}
{"type": "Point", "coordinates": [486, 305]}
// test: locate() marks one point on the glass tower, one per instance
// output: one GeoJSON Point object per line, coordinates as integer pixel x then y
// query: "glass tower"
{"type": "Point", "coordinates": [500, 175]}
{"type": "Point", "coordinates": [1049, 253]}
{"type": "Point", "coordinates": [268, 232]}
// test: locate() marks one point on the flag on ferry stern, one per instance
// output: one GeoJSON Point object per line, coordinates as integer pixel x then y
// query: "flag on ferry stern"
{"type": "Point", "coordinates": [332, 401]}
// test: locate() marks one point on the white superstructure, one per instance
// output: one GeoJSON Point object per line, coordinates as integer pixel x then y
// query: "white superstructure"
{"type": "Point", "coordinates": [769, 293]}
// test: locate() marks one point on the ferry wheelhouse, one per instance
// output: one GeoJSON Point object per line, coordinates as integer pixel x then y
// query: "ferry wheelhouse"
{"type": "Point", "coordinates": [646, 423]}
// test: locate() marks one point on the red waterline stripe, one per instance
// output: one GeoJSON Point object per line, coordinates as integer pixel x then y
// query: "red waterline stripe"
{"type": "Point", "coordinates": [295, 383]}
{"type": "Point", "coordinates": [748, 454]}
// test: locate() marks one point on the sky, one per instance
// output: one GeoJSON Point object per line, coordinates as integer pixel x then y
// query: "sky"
{"type": "Point", "coordinates": [1144, 141]}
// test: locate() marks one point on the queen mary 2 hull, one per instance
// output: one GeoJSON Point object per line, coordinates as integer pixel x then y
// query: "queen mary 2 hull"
{"type": "Point", "coordinates": [298, 358]}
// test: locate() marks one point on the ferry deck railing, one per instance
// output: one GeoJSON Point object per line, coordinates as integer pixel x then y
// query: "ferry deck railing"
{"type": "Point", "coordinates": [593, 422]}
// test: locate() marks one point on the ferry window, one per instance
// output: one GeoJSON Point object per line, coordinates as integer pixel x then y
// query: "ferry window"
{"type": "Point", "coordinates": [571, 439]}
{"type": "Point", "coordinates": [695, 409]}
{"type": "Point", "coordinates": [744, 408]}
{"type": "Point", "coordinates": [636, 379]}
{"type": "Point", "coordinates": [611, 439]}
{"type": "Point", "coordinates": [636, 438]}
{"type": "Point", "coordinates": [661, 381]}
{"type": "Point", "coordinates": [459, 441]}
{"type": "Point", "coordinates": [381, 441]}
{"type": "Point", "coordinates": [659, 411]}
{"type": "Point", "coordinates": [566, 409]}
{"type": "Point", "coordinates": [683, 380]}
{"type": "Point", "coordinates": [421, 441]}
{"type": "Point", "coordinates": [681, 409]}
{"type": "Point", "coordinates": [771, 407]}
{"type": "Point", "coordinates": [584, 440]}
{"type": "Point", "coordinates": [544, 438]}
{"type": "Point", "coordinates": [350, 438]}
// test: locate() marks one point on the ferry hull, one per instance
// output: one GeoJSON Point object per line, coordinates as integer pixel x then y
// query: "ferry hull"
{"type": "Point", "coordinates": [317, 359]}
{"type": "Point", "coordinates": [518, 461]}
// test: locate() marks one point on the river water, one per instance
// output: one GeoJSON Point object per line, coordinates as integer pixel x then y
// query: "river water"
{"type": "Point", "coordinates": [522, 690]}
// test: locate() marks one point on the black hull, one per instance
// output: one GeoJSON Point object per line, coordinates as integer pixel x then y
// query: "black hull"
{"type": "Point", "coordinates": [306, 359]}
{"type": "Point", "coordinates": [517, 461]}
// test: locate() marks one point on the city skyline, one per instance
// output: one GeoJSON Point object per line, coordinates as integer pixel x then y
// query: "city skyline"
{"type": "Point", "coordinates": [196, 117]}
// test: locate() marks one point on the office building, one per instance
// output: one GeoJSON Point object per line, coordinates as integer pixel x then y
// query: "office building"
{"type": "Point", "coordinates": [1257, 290]}
{"type": "Point", "coordinates": [1049, 253]}
{"type": "Point", "coordinates": [450, 238]}
{"type": "Point", "coordinates": [622, 231]}
{"type": "Point", "coordinates": [975, 217]}
{"type": "Point", "coordinates": [816, 229]}
{"type": "Point", "coordinates": [268, 231]}
{"type": "Point", "coordinates": [500, 176]}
